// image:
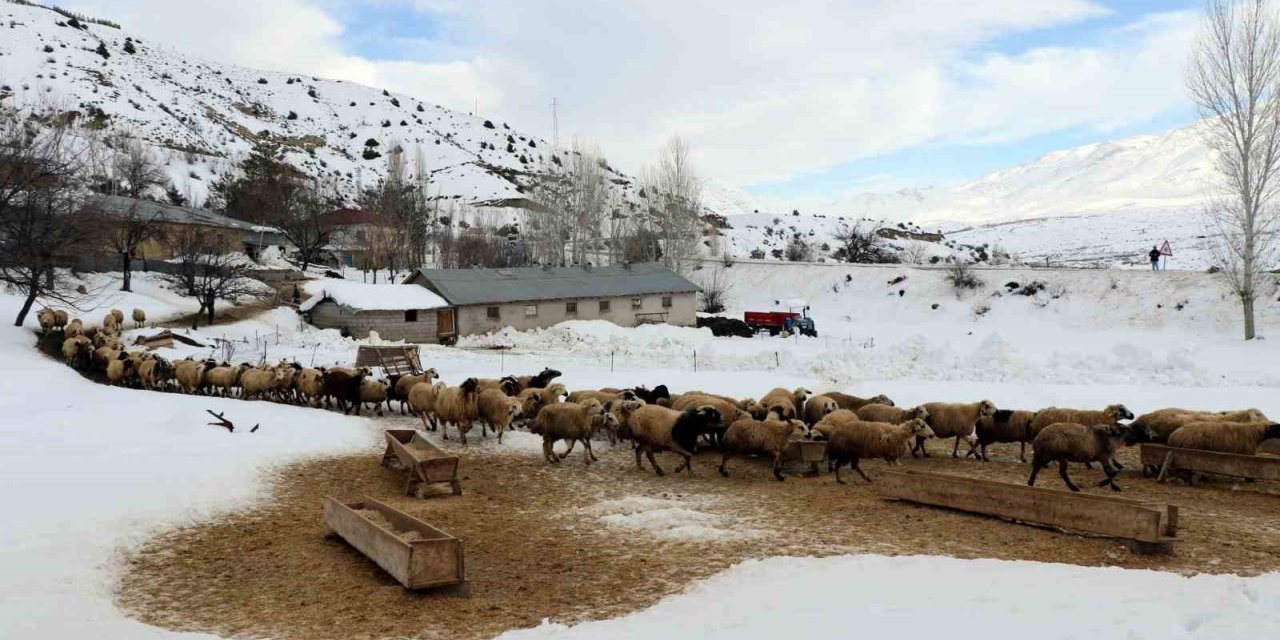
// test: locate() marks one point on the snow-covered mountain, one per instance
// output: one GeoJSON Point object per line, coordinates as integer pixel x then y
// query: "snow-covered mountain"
{"type": "Point", "coordinates": [203, 115]}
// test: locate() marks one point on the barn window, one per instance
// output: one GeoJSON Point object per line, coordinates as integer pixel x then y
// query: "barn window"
{"type": "Point", "coordinates": [636, 304]}
{"type": "Point", "coordinates": [492, 312]}
{"type": "Point", "coordinates": [604, 306]}
{"type": "Point", "coordinates": [531, 311]}
{"type": "Point", "coordinates": [666, 302]}
{"type": "Point", "coordinates": [411, 315]}
{"type": "Point", "coordinates": [571, 308]}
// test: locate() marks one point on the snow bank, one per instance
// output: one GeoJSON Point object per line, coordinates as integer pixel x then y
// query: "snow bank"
{"type": "Point", "coordinates": [370, 297]}
{"type": "Point", "coordinates": [672, 517]}
{"type": "Point", "coordinates": [879, 596]}
{"type": "Point", "coordinates": [595, 336]}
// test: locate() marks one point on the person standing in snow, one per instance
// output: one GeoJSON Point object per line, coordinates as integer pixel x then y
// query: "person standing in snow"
{"type": "Point", "coordinates": [1155, 258]}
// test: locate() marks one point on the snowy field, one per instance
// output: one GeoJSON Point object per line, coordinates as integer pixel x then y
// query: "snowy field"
{"type": "Point", "coordinates": [94, 471]}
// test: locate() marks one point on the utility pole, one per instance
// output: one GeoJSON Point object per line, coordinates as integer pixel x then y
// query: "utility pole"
{"type": "Point", "coordinates": [555, 124]}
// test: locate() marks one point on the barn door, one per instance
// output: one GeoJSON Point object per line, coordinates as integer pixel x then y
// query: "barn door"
{"type": "Point", "coordinates": [444, 322]}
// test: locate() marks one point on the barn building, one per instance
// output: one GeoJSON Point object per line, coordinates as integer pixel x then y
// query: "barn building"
{"type": "Point", "coordinates": [487, 300]}
{"type": "Point", "coordinates": [395, 312]}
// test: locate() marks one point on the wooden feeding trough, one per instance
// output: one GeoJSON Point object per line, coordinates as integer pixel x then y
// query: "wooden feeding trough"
{"type": "Point", "coordinates": [1149, 527]}
{"type": "Point", "coordinates": [415, 553]}
{"type": "Point", "coordinates": [1174, 459]}
{"type": "Point", "coordinates": [810, 451]}
{"type": "Point", "coordinates": [425, 462]}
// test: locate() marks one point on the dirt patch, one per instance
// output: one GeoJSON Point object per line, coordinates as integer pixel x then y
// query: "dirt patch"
{"type": "Point", "coordinates": [572, 543]}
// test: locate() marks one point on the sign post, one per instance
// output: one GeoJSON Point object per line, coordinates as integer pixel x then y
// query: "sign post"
{"type": "Point", "coordinates": [1167, 252]}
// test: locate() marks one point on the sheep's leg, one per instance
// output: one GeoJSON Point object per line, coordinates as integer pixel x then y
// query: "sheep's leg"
{"type": "Point", "coordinates": [777, 467]}
{"type": "Point", "coordinates": [499, 431]}
{"type": "Point", "coordinates": [638, 465]}
{"type": "Point", "coordinates": [586, 442]}
{"type": "Point", "coordinates": [567, 451]}
{"type": "Point", "coordinates": [856, 467]}
{"type": "Point", "coordinates": [547, 453]}
{"type": "Point", "coordinates": [1062, 471]}
{"type": "Point", "coordinates": [687, 463]}
{"type": "Point", "coordinates": [653, 461]}
{"type": "Point", "coordinates": [1036, 466]}
{"type": "Point", "coordinates": [924, 453]}
{"type": "Point", "coordinates": [464, 428]}
{"type": "Point", "coordinates": [839, 480]}
{"type": "Point", "coordinates": [1109, 466]}
{"type": "Point", "coordinates": [955, 450]}
{"type": "Point", "coordinates": [587, 457]}
{"type": "Point", "coordinates": [724, 459]}
{"type": "Point", "coordinates": [1022, 453]}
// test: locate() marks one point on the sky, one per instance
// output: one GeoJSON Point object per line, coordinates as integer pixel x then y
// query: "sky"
{"type": "Point", "coordinates": [791, 102]}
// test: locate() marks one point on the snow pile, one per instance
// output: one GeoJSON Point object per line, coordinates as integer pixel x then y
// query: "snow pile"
{"type": "Point", "coordinates": [595, 336]}
{"type": "Point", "coordinates": [370, 297]}
{"type": "Point", "coordinates": [878, 595]}
{"type": "Point", "coordinates": [672, 517]}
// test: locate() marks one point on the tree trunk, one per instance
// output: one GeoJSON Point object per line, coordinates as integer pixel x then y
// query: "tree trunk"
{"type": "Point", "coordinates": [128, 280]}
{"type": "Point", "coordinates": [33, 290]}
{"type": "Point", "coordinates": [209, 309]}
{"type": "Point", "coordinates": [1247, 304]}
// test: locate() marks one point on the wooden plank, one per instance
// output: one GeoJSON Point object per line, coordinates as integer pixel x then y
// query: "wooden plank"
{"type": "Point", "coordinates": [806, 450]}
{"type": "Point", "coordinates": [1106, 515]}
{"type": "Point", "coordinates": [1200, 461]}
{"type": "Point", "coordinates": [425, 462]}
{"type": "Point", "coordinates": [435, 559]}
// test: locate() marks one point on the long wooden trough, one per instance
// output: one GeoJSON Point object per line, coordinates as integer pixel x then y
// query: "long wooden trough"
{"type": "Point", "coordinates": [1153, 526]}
{"type": "Point", "coordinates": [1173, 459]}
{"type": "Point", "coordinates": [425, 462]}
{"type": "Point", "coordinates": [415, 553]}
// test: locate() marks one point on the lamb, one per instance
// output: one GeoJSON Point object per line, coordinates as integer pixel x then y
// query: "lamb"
{"type": "Point", "coordinates": [373, 392]}
{"type": "Point", "coordinates": [655, 428]}
{"type": "Point", "coordinates": [949, 419]}
{"type": "Point", "coordinates": [621, 409]}
{"type": "Point", "coordinates": [508, 385]}
{"type": "Point", "coordinates": [422, 400]}
{"type": "Point", "coordinates": [74, 329]}
{"type": "Point", "coordinates": [1164, 422]}
{"type": "Point", "coordinates": [1226, 437]}
{"type": "Point", "coordinates": [457, 405]}
{"type": "Point", "coordinates": [817, 408]}
{"type": "Point", "coordinates": [139, 317]}
{"type": "Point", "coordinates": [1064, 442]}
{"type": "Point", "coordinates": [1003, 426]}
{"type": "Point", "coordinates": [853, 403]}
{"type": "Point", "coordinates": [76, 351]}
{"type": "Point", "coordinates": [573, 423]}
{"type": "Point", "coordinates": [496, 411]}
{"type": "Point", "coordinates": [787, 403]}
{"type": "Point", "coordinates": [225, 379]}
{"type": "Point", "coordinates": [257, 382]}
{"type": "Point", "coordinates": [539, 381]}
{"type": "Point", "coordinates": [876, 412]}
{"type": "Point", "coordinates": [854, 441]}
{"type": "Point", "coordinates": [766, 438]}
{"type": "Point", "coordinates": [404, 383]}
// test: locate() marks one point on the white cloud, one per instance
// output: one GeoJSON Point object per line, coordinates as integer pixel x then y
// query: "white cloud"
{"type": "Point", "coordinates": [765, 90]}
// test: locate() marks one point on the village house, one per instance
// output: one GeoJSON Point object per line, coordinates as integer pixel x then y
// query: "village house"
{"type": "Point", "coordinates": [170, 220]}
{"type": "Point", "coordinates": [395, 312]}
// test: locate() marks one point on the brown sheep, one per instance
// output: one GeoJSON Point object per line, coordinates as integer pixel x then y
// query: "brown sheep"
{"type": "Point", "coordinates": [1113, 414]}
{"type": "Point", "coordinates": [1243, 438]}
{"type": "Point", "coordinates": [310, 384]}
{"type": "Point", "coordinates": [118, 315]}
{"type": "Point", "coordinates": [817, 408]}
{"type": "Point", "coordinates": [60, 319]}
{"type": "Point", "coordinates": [1003, 426]}
{"type": "Point", "coordinates": [1064, 442]}
{"type": "Point", "coordinates": [155, 373]}
{"type": "Point", "coordinates": [573, 423]}
{"type": "Point", "coordinates": [832, 421]}
{"type": "Point", "coordinates": [74, 329]}
{"type": "Point", "coordinates": [496, 411]}
{"type": "Point", "coordinates": [532, 400]}
{"type": "Point", "coordinates": [949, 419]}
{"type": "Point", "coordinates": [76, 351]}
{"type": "Point", "coordinates": [853, 403]}
{"type": "Point", "coordinates": [120, 369]}
{"type": "Point", "coordinates": [765, 438]}
{"type": "Point", "coordinates": [539, 381]}
{"type": "Point", "coordinates": [1165, 421]}
{"type": "Point", "coordinates": [457, 406]}
{"type": "Point", "coordinates": [508, 385]}
{"type": "Point", "coordinates": [876, 412]}
{"type": "Point", "coordinates": [422, 402]}
{"type": "Point", "coordinates": [46, 320]}
{"type": "Point", "coordinates": [405, 383]}
{"type": "Point", "coordinates": [139, 318]}
{"type": "Point", "coordinates": [190, 374]}
{"type": "Point", "coordinates": [787, 404]}
{"type": "Point", "coordinates": [257, 382]}
{"type": "Point", "coordinates": [855, 441]}
{"type": "Point", "coordinates": [729, 412]}
{"type": "Point", "coordinates": [225, 379]}
{"type": "Point", "coordinates": [744, 405]}
{"type": "Point", "coordinates": [655, 428]}
{"type": "Point", "coordinates": [373, 392]}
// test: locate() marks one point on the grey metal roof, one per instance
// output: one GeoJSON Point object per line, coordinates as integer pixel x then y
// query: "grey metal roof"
{"type": "Point", "coordinates": [121, 206]}
{"type": "Point", "coordinates": [480, 286]}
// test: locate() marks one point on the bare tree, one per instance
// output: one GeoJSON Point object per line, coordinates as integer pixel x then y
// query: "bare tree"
{"type": "Point", "coordinates": [40, 197]}
{"type": "Point", "coordinates": [1233, 77]}
{"type": "Point", "coordinates": [207, 269]}
{"type": "Point", "coordinates": [861, 244]}
{"type": "Point", "coordinates": [673, 195]}
{"type": "Point", "coordinates": [715, 291]}
{"type": "Point", "coordinates": [136, 172]}
{"type": "Point", "coordinates": [798, 250]}
{"type": "Point", "coordinates": [304, 220]}
{"type": "Point", "coordinates": [125, 229]}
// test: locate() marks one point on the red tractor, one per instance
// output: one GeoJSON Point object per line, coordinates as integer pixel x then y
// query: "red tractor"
{"type": "Point", "coordinates": [776, 322]}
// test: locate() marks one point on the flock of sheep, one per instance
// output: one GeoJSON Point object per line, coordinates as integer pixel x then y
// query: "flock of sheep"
{"type": "Point", "coordinates": [654, 421]}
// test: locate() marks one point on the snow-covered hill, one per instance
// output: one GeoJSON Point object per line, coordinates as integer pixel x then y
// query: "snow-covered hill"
{"type": "Point", "coordinates": [204, 115]}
